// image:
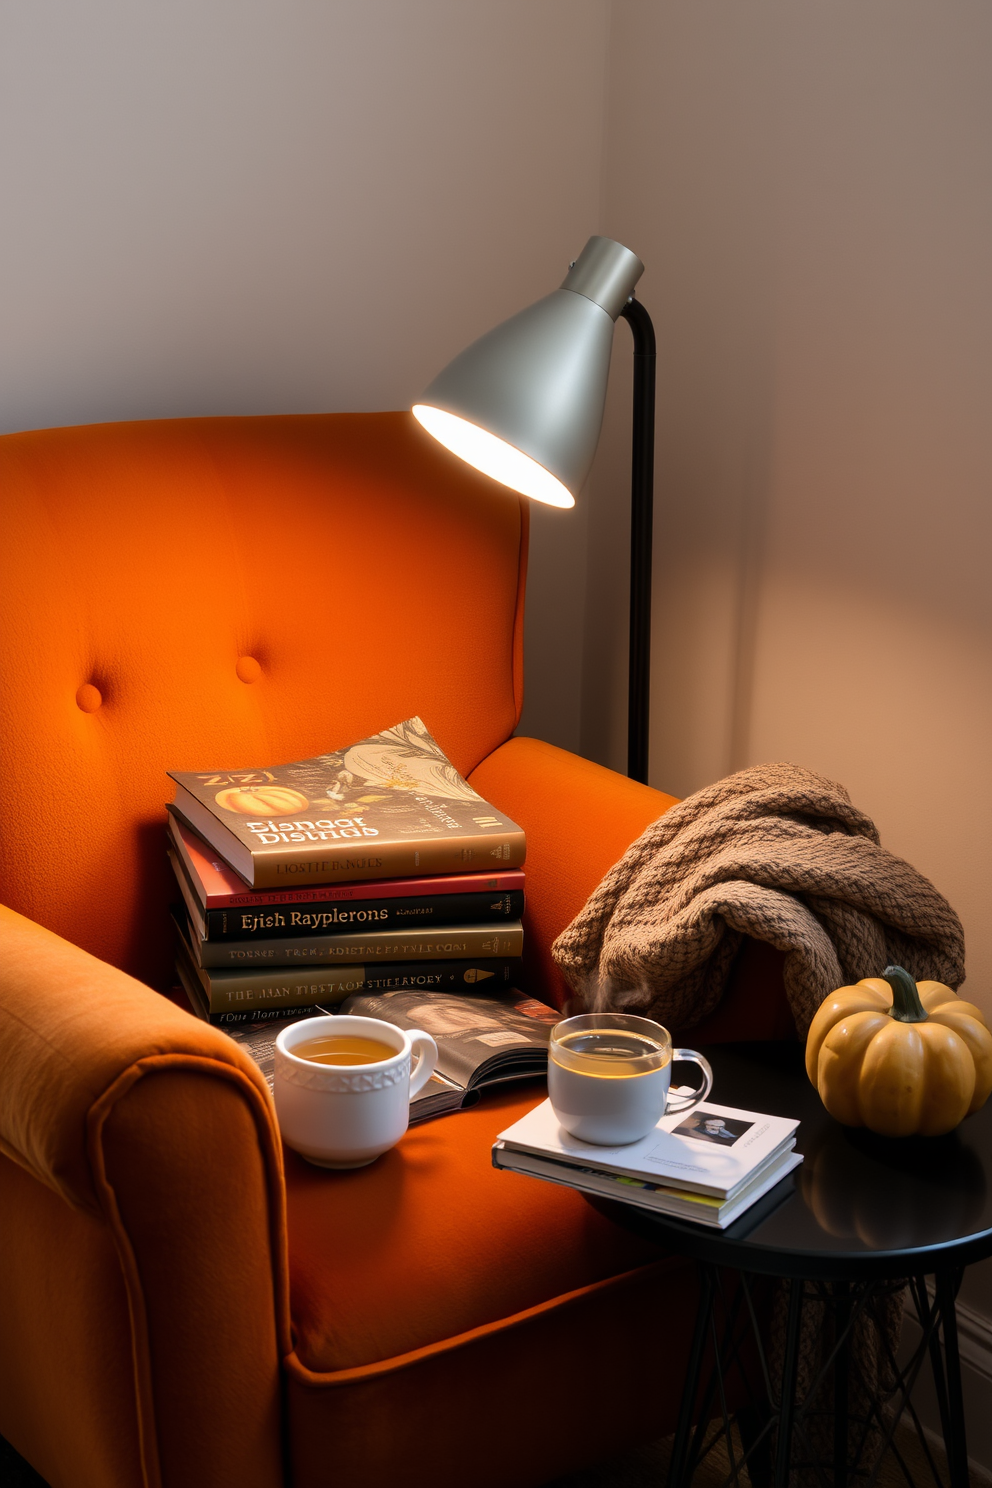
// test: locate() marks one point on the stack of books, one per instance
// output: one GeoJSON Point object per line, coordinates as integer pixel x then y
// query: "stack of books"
{"type": "Point", "coordinates": [371, 870]}
{"type": "Point", "coordinates": [708, 1165]}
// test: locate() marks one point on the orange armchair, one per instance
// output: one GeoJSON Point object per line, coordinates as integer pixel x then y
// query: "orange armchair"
{"type": "Point", "coordinates": [182, 1304]}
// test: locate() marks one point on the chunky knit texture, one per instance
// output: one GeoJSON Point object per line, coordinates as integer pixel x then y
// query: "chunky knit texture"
{"type": "Point", "coordinates": [775, 852]}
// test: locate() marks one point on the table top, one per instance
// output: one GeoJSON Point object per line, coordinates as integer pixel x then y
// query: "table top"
{"type": "Point", "coordinates": [859, 1206]}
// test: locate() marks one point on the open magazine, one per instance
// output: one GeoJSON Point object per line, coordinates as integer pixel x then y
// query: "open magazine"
{"type": "Point", "coordinates": [482, 1041]}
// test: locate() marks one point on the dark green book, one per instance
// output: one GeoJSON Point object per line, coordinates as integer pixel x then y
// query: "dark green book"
{"type": "Point", "coordinates": [257, 995]}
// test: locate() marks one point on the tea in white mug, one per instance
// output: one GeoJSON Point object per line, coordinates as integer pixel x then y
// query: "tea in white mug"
{"type": "Point", "coordinates": [343, 1049]}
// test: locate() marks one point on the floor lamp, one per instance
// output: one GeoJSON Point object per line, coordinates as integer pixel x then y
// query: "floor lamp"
{"type": "Point", "coordinates": [524, 404]}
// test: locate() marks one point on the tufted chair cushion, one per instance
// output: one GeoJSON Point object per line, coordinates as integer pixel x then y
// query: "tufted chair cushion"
{"type": "Point", "coordinates": [227, 592]}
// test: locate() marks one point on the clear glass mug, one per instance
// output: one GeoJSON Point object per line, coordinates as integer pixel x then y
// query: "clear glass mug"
{"type": "Point", "coordinates": [609, 1076]}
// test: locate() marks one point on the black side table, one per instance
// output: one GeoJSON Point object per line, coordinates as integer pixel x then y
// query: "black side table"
{"type": "Point", "coordinates": [862, 1216]}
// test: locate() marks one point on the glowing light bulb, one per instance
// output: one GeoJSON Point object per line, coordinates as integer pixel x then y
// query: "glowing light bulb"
{"type": "Point", "coordinates": [493, 456]}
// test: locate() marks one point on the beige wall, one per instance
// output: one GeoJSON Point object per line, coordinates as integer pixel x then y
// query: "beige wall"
{"type": "Point", "coordinates": [810, 189]}
{"type": "Point", "coordinates": [240, 206]}
{"type": "Point", "coordinates": [809, 185]}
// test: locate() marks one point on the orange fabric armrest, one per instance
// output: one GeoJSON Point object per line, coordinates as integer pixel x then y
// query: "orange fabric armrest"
{"type": "Point", "coordinates": [72, 1029]}
{"type": "Point", "coordinates": [579, 819]}
{"type": "Point", "coordinates": [135, 1112]}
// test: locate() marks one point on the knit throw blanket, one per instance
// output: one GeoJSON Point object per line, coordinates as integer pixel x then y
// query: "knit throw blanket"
{"type": "Point", "coordinates": [774, 852]}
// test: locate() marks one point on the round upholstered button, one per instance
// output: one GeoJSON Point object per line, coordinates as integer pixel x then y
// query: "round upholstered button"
{"type": "Point", "coordinates": [248, 669]}
{"type": "Point", "coordinates": [88, 698]}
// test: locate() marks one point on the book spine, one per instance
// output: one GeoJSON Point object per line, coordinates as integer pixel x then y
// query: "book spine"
{"type": "Point", "coordinates": [333, 917]}
{"type": "Point", "coordinates": [196, 996]}
{"type": "Point", "coordinates": [444, 976]}
{"type": "Point", "coordinates": [274, 869]}
{"type": "Point", "coordinates": [183, 839]}
{"type": "Point", "coordinates": [232, 991]}
{"type": "Point", "coordinates": [349, 949]}
{"type": "Point", "coordinates": [263, 1015]}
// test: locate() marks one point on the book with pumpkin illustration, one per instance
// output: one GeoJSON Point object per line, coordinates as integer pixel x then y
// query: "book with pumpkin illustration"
{"type": "Point", "coordinates": [389, 806]}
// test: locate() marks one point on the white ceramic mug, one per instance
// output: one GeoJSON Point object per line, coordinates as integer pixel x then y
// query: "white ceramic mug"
{"type": "Point", "coordinates": [344, 1116]}
{"type": "Point", "coordinates": [603, 1090]}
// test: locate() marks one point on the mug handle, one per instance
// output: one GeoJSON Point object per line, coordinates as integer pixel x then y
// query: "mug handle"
{"type": "Point", "coordinates": [686, 1102]}
{"type": "Point", "coordinates": [423, 1045]}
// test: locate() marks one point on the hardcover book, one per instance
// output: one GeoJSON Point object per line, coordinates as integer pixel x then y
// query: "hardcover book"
{"type": "Point", "coordinates": [466, 942]}
{"type": "Point", "coordinates": [253, 994]}
{"type": "Point", "coordinates": [221, 907]}
{"type": "Point", "coordinates": [389, 806]}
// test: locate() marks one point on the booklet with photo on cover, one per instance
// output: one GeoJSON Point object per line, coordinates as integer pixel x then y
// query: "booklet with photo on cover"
{"type": "Point", "coordinates": [708, 1164]}
{"type": "Point", "coordinates": [482, 1040]}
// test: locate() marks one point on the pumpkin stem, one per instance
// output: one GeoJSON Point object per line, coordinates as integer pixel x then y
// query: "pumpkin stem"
{"type": "Point", "coordinates": [906, 1004]}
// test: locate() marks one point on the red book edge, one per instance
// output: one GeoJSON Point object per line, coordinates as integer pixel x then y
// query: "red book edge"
{"type": "Point", "coordinates": [219, 887]}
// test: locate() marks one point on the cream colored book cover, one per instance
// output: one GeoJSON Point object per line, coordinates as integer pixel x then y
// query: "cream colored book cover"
{"type": "Point", "coordinates": [388, 806]}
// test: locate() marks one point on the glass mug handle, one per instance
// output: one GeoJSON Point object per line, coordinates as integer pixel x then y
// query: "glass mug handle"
{"type": "Point", "coordinates": [686, 1102]}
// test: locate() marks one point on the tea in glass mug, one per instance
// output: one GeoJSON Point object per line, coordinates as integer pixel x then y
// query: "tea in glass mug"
{"type": "Point", "coordinates": [609, 1076]}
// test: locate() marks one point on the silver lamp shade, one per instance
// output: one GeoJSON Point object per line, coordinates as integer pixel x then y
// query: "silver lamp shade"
{"type": "Point", "coordinates": [524, 403]}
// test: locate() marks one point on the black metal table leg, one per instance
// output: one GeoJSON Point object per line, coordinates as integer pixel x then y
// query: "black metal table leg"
{"type": "Point", "coordinates": [677, 1467]}
{"type": "Point", "coordinates": [790, 1369]}
{"type": "Point", "coordinates": [842, 1317]}
{"type": "Point", "coordinates": [955, 1436]}
{"type": "Point", "coordinates": [725, 1351]}
{"type": "Point", "coordinates": [755, 1421]}
{"type": "Point", "coordinates": [752, 1424]}
{"type": "Point", "coordinates": [928, 1314]}
{"type": "Point", "coordinates": [787, 1418]}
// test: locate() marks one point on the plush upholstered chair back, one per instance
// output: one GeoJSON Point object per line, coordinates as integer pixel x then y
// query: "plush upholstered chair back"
{"type": "Point", "coordinates": [223, 593]}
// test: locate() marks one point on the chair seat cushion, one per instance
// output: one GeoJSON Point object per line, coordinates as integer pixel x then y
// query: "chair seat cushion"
{"type": "Point", "coordinates": [431, 1241]}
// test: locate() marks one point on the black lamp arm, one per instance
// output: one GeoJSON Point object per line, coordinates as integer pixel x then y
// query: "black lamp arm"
{"type": "Point", "coordinates": [641, 525]}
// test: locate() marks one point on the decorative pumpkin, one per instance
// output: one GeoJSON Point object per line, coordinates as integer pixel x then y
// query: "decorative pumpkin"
{"type": "Point", "coordinates": [899, 1059]}
{"type": "Point", "coordinates": [263, 800]}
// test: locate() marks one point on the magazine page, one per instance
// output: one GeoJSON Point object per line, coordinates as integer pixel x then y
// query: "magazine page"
{"type": "Point", "coordinates": [479, 1038]}
{"type": "Point", "coordinates": [259, 1042]}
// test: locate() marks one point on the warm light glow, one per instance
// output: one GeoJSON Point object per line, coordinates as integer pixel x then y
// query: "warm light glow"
{"type": "Point", "coordinates": [494, 457]}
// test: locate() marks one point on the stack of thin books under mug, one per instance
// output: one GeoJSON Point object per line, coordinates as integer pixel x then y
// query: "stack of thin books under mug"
{"type": "Point", "coordinates": [708, 1165]}
{"type": "Point", "coordinates": [613, 1126]}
